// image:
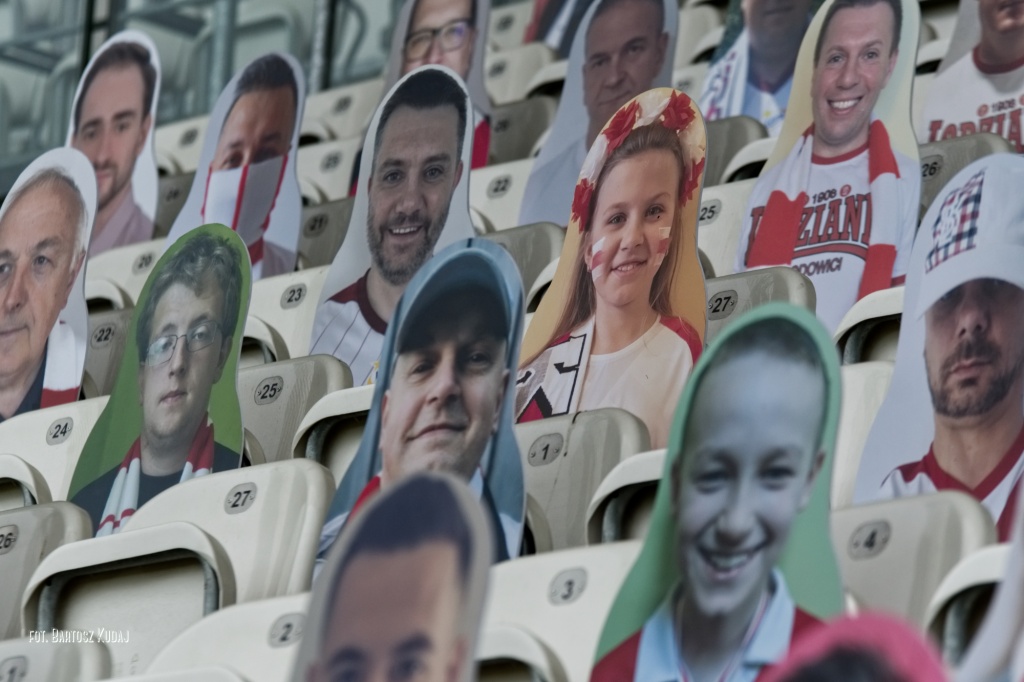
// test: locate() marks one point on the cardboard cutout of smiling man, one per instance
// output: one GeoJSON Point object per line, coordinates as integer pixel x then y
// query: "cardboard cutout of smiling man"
{"type": "Point", "coordinates": [737, 563]}
{"type": "Point", "coordinates": [838, 199]}
{"type": "Point", "coordinates": [444, 398]}
{"type": "Point", "coordinates": [246, 178]}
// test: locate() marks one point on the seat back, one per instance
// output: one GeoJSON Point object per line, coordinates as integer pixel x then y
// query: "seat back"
{"type": "Point", "coordinates": [345, 111]}
{"type": "Point", "coordinates": [507, 73]}
{"type": "Point", "coordinates": [696, 22]}
{"type": "Point", "coordinates": [181, 143]}
{"type": "Point", "coordinates": [324, 227]}
{"type": "Point", "coordinates": [532, 247]}
{"type": "Point", "coordinates": [748, 161]}
{"type": "Point", "coordinates": [508, 25]}
{"type": "Point", "coordinates": [865, 386]}
{"type": "Point", "coordinates": [328, 166]}
{"type": "Point", "coordinates": [332, 429]}
{"type": "Point", "coordinates": [516, 127]}
{"type": "Point", "coordinates": [690, 79]}
{"type": "Point", "coordinates": [172, 191]}
{"type": "Point", "coordinates": [870, 330]}
{"type": "Point", "coordinates": [286, 305]}
{"type": "Point", "coordinates": [621, 507]}
{"type": "Point", "coordinates": [497, 191]}
{"type": "Point", "coordinates": [126, 267]}
{"type": "Point", "coordinates": [33, 658]}
{"type": "Point", "coordinates": [726, 137]}
{"type": "Point", "coordinates": [893, 554]}
{"type": "Point", "coordinates": [722, 208]}
{"type": "Point", "coordinates": [941, 160]}
{"type": "Point", "coordinates": [108, 337]}
{"type": "Point", "coordinates": [732, 295]}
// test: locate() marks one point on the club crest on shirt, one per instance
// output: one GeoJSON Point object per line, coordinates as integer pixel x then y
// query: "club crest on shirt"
{"type": "Point", "coordinates": [956, 227]}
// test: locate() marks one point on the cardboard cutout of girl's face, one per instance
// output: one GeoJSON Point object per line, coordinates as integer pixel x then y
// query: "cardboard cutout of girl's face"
{"type": "Point", "coordinates": [112, 121]}
{"type": "Point", "coordinates": [45, 226]}
{"type": "Point", "coordinates": [443, 401]}
{"type": "Point", "coordinates": [979, 86]}
{"type": "Point", "coordinates": [629, 261]}
{"type": "Point", "coordinates": [174, 411]}
{"type": "Point", "coordinates": [739, 536]}
{"type": "Point", "coordinates": [621, 49]}
{"type": "Point", "coordinates": [412, 201]}
{"type": "Point", "coordinates": [402, 589]}
{"type": "Point", "coordinates": [957, 383]}
{"type": "Point", "coordinates": [246, 177]}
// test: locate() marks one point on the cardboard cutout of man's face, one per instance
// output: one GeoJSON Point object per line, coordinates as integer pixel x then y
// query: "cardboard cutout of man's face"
{"type": "Point", "coordinates": [258, 128]}
{"type": "Point", "coordinates": [440, 33]}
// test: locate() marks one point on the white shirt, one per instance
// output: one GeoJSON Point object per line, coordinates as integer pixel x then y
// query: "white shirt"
{"type": "Point", "coordinates": [550, 188]}
{"type": "Point", "coordinates": [347, 327]}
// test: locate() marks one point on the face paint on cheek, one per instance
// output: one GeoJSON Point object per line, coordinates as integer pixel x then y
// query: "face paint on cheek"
{"type": "Point", "coordinates": [664, 239]}
{"type": "Point", "coordinates": [598, 260]}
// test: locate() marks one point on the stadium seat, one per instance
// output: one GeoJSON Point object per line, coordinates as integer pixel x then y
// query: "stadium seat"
{"type": "Point", "coordinates": [930, 54]}
{"type": "Point", "coordinates": [566, 458]}
{"type": "Point", "coordinates": [864, 388]}
{"type": "Point", "coordinates": [538, 288]}
{"type": "Point", "coordinates": [545, 613]}
{"type": "Point", "coordinates": [748, 161]}
{"type": "Point", "coordinates": [893, 554]}
{"type": "Point", "coordinates": [27, 535]}
{"type": "Point", "coordinates": [706, 46]}
{"type": "Point", "coordinates": [324, 227]}
{"type": "Point", "coordinates": [516, 127]}
{"type": "Point", "coordinates": [180, 144]}
{"type": "Point", "coordinates": [726, 137]}
{"type": "Point", "coordinates": [690, 79]}
{"type": "Point", "coordinates": [47, 442]}
{"type": "Point", "coordinates": [328, 167]}
{"type": "Point", "coordinates": [149, 584]}
{"type": "Point", "coordinates": [342, 112]}
{"type": "Point", "coordinates": [283, 308]}
{"type": "Point", "coordinates": [959, 604]}
{"type": "Point", "coordinates": [732, 295]}
{"type": "Point", "coordinates": [871, 328]}
{"type": "Point", "coordinates": [172, 191]}
{"type": "Point", "coordinates": [532, 247]}
{"type": "Point", "coordinates": [549, 79]}
{"type": "Point", "coordinates": [31, 660]}
{"type": "Point", "coordinates": [331, 430]}
{"type": "Point", "coordinates": [274, 398]}
{"type": "Point", "coordinates": [508, 25]}
{"type": "Point", "coordinates": [941, 15]}
{"type": "Point", "coordinates": [108, 338]}
{"type": "Point", "coordinates": [126, 267]}
{"type": "Point", "coordinates": [258, 639]}
{"type": "Point", "coordinates": [722, 208]}
{"type": "Point", "coordinates": [940, 161]}
{"type": "Point", "coordinates": [266, 519]}
{"type": "Point", "coordinates": [620, 508]}
{"type": "Point", "coordinates": [497, 191]}
{"type": "Point", "coordinates": [696, 22]}
{"type": "Point", "coordinates": [508, 73]}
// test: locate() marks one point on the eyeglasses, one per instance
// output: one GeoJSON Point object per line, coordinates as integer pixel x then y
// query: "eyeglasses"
{"type": "Point", "coordinates": [196, 339]}
{"type": "Point", "coordinates": [453, 36]}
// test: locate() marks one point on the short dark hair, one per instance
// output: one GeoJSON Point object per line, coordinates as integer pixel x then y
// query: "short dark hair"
{"type": "Point", "coordinates": [269, 72]}
{"type": "Point", "coordinates": [120, 56]}
{"type": "Point", "coordinates": [847, 663]}
{"type": "Point", "coordinates": [897, 13]}
{"type": "Point", "coordinates": [201, 254]}
{"type": "Point", "coordinates": [415, 4]}
{"type": "Point", "coordinates": [446, 309]}
{"type": "Point", "coordinates": [423, 90]}
{"type": "Point", "coordinates": [417, 510]}
{"type": "Point", "coordinates": [605, 5]}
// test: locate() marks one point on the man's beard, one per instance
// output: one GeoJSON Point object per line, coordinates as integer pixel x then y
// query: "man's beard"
{"type": "Point", "coordinates": [399, 273]}
{"type": "Point", "coordinates": [943, 400]}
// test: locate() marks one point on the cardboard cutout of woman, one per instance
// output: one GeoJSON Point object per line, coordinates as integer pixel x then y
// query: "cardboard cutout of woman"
{"type": "Point", "coordinates": [838, 199]}
{"type": "Point", "coordinates": [443, 401]}
{"type": "Point", "coordinates": [751, 73]}
{"type": "Point", "coordinates": [112, 124]}
{"type": "Point", "coordinates": [173, 414]}
{"type": "Point", "coordinates": [953, 418]}
{"type": "Point", "coordinates": [246, 177]}
{"type": "Point", "coordinates": [45, 225]}
{"type": "Point", "coordinates": [737, 562]}
{"type": "Point", "coordinates": [414, 201]}
{"type": "Point", "coordinates": [622, 48]}
{"type": "Point", "coordinates": [401, 596]}
{"type": "Point", "coordinates": [451, 33]}
{"type": "Point", "coordinates": [980, 84]}
{"type": "Point", "coordinates": [624, 319]}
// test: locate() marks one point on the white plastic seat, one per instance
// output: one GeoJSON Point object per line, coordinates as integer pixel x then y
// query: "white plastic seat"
{"type": "Point", "coordinates": [282, 310]}
{"type": "Point", "coordinates": [331, 430]}
{"type": "Point", "coordinates": [732, 295]}
{"type": "Point", "coordinates": [508, 25]}
{"type": "Point", "coordinates": [126, 267]}
{"type": "Point", "coordinates": [696, 23]}
{"type": "Point", "coordinates": [181, 143]}
{"type": "Point", "coordinates": [508, 73]}
{"type": "Point", "coordinates": [621, 506]}
{"type": "Point", "coordinates": [941, 15]}
{"type": "Point", "coordinates": [276, 396]}
{"type": "Point", "coordinates": [28, 535]}
{"type": "Point", "coordinates": [550, 77]}
{"type": "Point", "coordinates": [930, 53]}
{"type": "Point", "coordinates": [342, 112]}
{"type": "Point", "coordinates": [749, 160]}
{"type": "Point", "coordinates": [108, 339]}
{"type": "Point", "coordinates": [532, 247]}
{"type": "Point", "coordinates": [690, 79]}
{"type": "Point", "coordinates": [497, 191]}
{"type": "Point", "coordinates": [940, 161]}
{"type": "Point", "coordinates": [323, 230]}
{"type": "Point", "coordinates": [870, 329]}
{"type": "Point", "coordinates": [30, 659]}
{"type": "Point", "coordinates": [726, 137]}
{"type": "Point", "coordinates": [865, 386]}
{"type": "Point", "coordinates": [258, 639]}
{"type": "Point", "coordinates": [893, 554]}
{"type": "Point", "coordinates": [328, 166]}
{"type": "Point", "coordinates": [516, 127]}
{"type": "Point", "coordinates": [171, 193]}
{"type": "Point", "coordinates": [565, 459]}
{"type": "Point", "coordinates": [722, 208]}
{"type": "Point", "coordinates": [545, 613]}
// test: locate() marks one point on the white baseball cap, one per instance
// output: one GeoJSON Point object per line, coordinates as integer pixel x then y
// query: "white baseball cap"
{"type": "Point", "coordinates": [975, 229]}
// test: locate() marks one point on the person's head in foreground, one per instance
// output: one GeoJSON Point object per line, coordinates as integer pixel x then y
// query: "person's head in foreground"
{"type": "Point", "coordinates": [112, 120]}
{"type": "Point", "coordinates": [1002, 33]}
{"type": "Point", "coordinates": [448, 380]}
{"type": "Point", "coordinates": [854, 57]}
{"type": "Point", "coordinates": [183, 339]}
{"type": "Point", "coordinates": [397, 601]}
{"type": "Point", "coordinates": [441, 32]}
{"type": "Point", "coordinates": [42, 247]}
{"type": "Point", "coordinates": [750, 456]}
{"type": "Point", "coordinates": [417, 163]}
{"type": "Point", "coordinates": [625, 49]}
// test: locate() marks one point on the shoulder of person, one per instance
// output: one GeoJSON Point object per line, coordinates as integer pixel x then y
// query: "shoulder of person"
{"type": "Point", "coordinates": [93, 497]}
{"type": "Point", "coordinates": [226, 459]}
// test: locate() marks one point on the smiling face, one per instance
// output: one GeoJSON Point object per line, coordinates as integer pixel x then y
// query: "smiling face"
{"type": "Point", "coordinates": [771, 22]}
{"type": "Point", "coordinates": [416, 169]}
{"type": "Point", "coordinates": [625, 50]}
{"type": "Point", "coordinates": [444, 400]}
{"type": "Point", "coordinates": [175, 395]}
{"type": "Point", "coordinates": [633, 218]}
{"type": "Point", "coordinates": [748, 465]}
{"type": "Point", "coordinates": [974, 348]}
{"type": "Point", "coordinates": [259, 127]}
{"type": "Point", "coordinates": [853, 68]}
{"type": "Point", "coordinates": [434, 15]}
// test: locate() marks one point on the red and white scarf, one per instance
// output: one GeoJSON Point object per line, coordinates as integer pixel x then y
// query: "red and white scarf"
{"type": "Point", "coordinates": [124, 493]}
{"type": "Point", "coordinates": [779, 227]}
